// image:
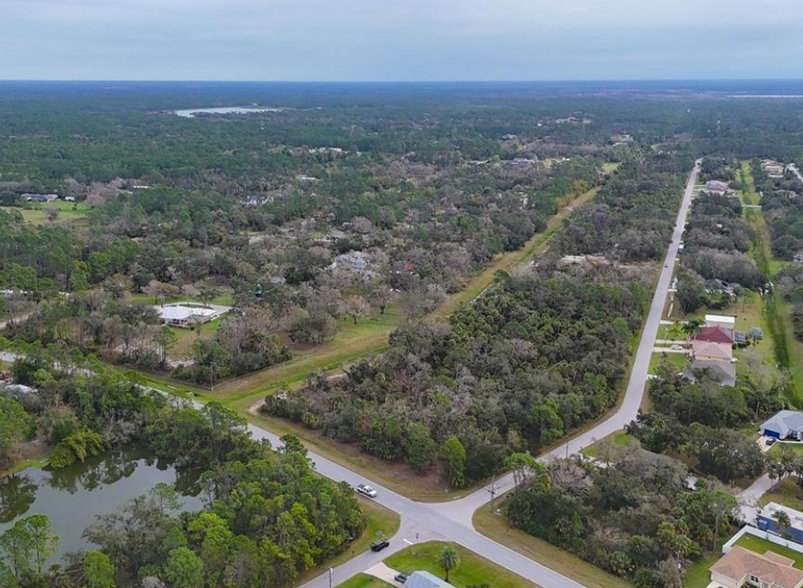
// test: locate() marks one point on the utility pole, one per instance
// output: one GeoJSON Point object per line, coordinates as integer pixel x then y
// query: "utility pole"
{"type": "Point", "coordinates": [492, 491]}
{"type": "Point", "coordinates": [331, 573]}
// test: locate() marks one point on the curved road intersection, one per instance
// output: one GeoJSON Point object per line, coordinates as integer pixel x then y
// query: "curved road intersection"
{"type": "Point", "coordinates": [452, 521]}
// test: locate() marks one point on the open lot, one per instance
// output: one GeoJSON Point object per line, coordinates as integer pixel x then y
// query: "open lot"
{"type": "Point", "coordinates": [69, 212]}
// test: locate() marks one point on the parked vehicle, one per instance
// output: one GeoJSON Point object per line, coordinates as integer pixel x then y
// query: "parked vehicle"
{"type": "Point", "coordinates": [366, 490]}
{"type": "Point", "coordinates": [677, 348]}
{"type": "Point", "coordinates": [380, 545]}
{"type": "Point", "coordinates": [401, 577]}
{"type": "Point", "coordinates": [770, 441]}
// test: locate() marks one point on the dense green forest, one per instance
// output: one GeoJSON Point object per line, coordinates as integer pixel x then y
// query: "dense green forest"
{"type": "Point", "coordinates": [267, 518]}
{"type": "Point", "coordinates": [350, 208]}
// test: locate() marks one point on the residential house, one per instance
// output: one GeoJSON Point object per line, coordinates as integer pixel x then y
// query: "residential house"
{"type": "Point", "coordinates": [767, 520]}
{"type": "Point", "coordinates": [717, 285]}
{"type": "Point", "coordinates": [711, 350]}
{"type": "Point", "coordinates": [722, 371]}
{"type": "Point", "coordinates": [355, 260]}
{"type": "Point", "coordinates": [785, 424]}
{"type": "Point", "coordinates": [254, 200]}
{"type": "Point", "coordinates": [423, 579]}
{"type": "Point", "coordinates": [184, 315]}
{"type": "Point", "coordinates": [716, 187]}
{"type": "Point", "coordinates": [715, 334]}
{"type": "Point", "coordinates": [39, 197]}
{"type": "Point", "coordinates": [742, 567]}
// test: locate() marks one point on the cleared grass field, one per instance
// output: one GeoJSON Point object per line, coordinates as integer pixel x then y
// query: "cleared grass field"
{"type": "Point", "coordinates": [69, 212]}
{"type": "Point", "coordinates": [472, 571]}
{"type": "Point", "coordinates": [788, 352]}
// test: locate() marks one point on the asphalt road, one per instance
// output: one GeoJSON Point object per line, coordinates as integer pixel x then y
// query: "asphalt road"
{"type": "Point", "coordinates": [451, 521]}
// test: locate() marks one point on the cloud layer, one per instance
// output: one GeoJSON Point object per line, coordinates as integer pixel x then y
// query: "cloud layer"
{"type": "Point", "coordinates": [400, 39]}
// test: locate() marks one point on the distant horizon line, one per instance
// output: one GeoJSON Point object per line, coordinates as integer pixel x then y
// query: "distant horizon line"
{"type": "Point", "coordinates": [391, 81]}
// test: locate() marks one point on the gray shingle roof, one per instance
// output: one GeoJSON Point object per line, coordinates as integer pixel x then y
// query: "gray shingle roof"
{"type": "Point", "coordinates": [785, 422]}
{"type": "Point", "coordinates": [422, 579]}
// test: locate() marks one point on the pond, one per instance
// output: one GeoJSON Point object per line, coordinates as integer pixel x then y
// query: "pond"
{"type": "Point", "coordinates": [73, 496]}
{"type": "Point", "coordinates": [193, 112]}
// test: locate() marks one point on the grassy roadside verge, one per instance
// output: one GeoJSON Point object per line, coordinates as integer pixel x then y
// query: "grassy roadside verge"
{"type": "Point", "coordinates": [495, 527]}
{"type": "Point", "coordinates": [776, 314]}
{"type": "Point", "coordinates": [472, 571]}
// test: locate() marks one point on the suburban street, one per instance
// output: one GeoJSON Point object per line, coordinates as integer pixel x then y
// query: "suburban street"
{"type": "Point", "coordinates": [452, 521]}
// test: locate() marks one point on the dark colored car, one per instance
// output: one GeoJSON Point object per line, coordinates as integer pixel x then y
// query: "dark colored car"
{"type": "Point", "coordinates": [770, 441]}
{"type": "Point", "coordinates": [401, 577]}
{"type": "Point", "coordinates": [379, 545]}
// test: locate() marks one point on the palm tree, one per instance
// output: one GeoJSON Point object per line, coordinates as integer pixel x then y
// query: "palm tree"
{"type": "Point", "coordinates": [448, 560]}
{"type": "Point", "coordinates": [783, 521]}
{"type": "Point", "coordinates": [690, 327]}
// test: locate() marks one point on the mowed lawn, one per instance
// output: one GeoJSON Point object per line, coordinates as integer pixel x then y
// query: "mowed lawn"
{"type": "Point", "coordinates": [364, 581]}
{"type": "Point", "coordinates": [472, 571]}
{"type": "Point", "coordinates": [36, 214]}
{"type": "Point", "coordinates": [762, 546]}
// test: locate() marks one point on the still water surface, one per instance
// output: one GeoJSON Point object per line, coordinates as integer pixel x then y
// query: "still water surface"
{"type": "Point", "coordinates": [73, 496]}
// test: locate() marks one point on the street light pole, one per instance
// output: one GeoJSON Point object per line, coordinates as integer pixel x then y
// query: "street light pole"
{"type": "Point", "coordinates": [331, 572]}
{"type": "Point", "coordinates": [492, 491]}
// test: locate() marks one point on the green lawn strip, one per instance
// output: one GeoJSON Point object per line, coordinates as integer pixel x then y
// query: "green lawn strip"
{"type": "Point", "coordinates": [762, 546]}
{"type": "Point", "coordinates": [677, 359]}
{"type": "Point", "coordinates": [36, 214]}
{"type": "Point", "coordinates": [698, 574]}
{"type": "Point", "coordinates": [381, 522]}
{"type": "Point", "coordinates": [472, 571]}
{"type": "Point", "coordinates": [563, 562]}
{"type": "Point", "coordinates": [775, 311]}
{"type": "Point", "coordinates": [363, 581]}
{"type": "Point", "coordinates": [787, 493]}
{"type": "Point", "coordinates": [224, 298]}
{"type": "Point", "coordinates": [619, 438]}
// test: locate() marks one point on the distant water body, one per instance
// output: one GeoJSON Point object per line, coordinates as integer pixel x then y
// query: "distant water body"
{"type": "Point", "coordinates": [193, 112]}
{"type": "Point", "coordinates": [73, 496]}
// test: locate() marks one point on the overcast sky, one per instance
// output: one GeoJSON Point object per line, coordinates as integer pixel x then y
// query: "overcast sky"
{"type": "Point", "coordinates": [400, 39]}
